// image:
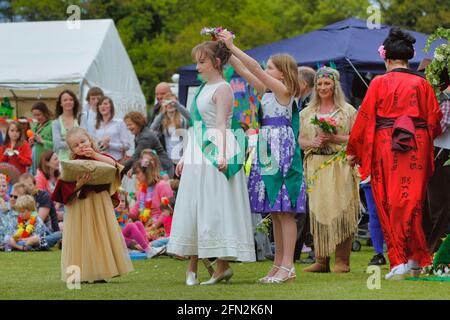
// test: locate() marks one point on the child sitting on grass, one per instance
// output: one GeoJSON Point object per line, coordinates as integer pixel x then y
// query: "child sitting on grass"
{"type": "Point", "coordinates": [30, 234]}
{"type": "Point", "coordinates": [152, 188]}
{"type": "Point", "coordinates": [133, 232]}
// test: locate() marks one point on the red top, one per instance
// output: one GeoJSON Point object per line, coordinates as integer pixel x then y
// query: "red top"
{"type": "Point", "coordinates": [65, 190]}
{"type": "Point", "coordinates": [21, 161]}
{"type": "Point", "coordinates": [394, 94]}
{"type": "Point", "coordinates": [42, 182]}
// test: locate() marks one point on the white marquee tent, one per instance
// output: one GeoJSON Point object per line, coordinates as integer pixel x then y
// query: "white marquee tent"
{"type": "Point", "coordinates": [40, 59]}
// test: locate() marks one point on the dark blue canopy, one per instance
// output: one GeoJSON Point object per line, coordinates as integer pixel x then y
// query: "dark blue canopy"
{"type": "Point", "coordinates": [341, 42]}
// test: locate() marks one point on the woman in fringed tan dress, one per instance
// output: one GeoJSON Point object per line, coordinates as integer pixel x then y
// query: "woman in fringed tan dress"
{"type": "Point", "coordinates": [334, 195]}
{"type": "Point", "coordinates": [93, 240]}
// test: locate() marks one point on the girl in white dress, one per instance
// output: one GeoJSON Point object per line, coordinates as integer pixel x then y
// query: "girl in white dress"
{"type": "Point", "coordinates": [212, 214]}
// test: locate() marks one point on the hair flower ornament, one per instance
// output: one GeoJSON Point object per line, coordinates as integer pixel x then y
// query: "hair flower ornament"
{"type": "Point", "coordinates": [382, 52]}
{"type": "Point", "coordinates": [214, 32]}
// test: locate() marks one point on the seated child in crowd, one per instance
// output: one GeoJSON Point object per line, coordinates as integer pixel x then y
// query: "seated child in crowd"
{"type": "Point", "coordinates": [8, 217]}
{"type": "Point", "coordinates": [152, 188]}
{"type": "Point", "coordinates": [133, 232]}
{"type": "Point", "coordinates": [30, 234]}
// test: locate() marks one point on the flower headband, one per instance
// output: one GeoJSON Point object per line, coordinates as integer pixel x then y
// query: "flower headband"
{"type": "Point", "coordinates": [325, 72]}
{"type": "Point", "coordinates": [214, 32]}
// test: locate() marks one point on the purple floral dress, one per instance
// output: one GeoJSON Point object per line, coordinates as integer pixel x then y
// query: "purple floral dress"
{"type": "Point", "coordinates": [281, 140]}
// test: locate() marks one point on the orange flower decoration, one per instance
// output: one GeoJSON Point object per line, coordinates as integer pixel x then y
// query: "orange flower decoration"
{"type": "Point", "coordinates": [165, 201]}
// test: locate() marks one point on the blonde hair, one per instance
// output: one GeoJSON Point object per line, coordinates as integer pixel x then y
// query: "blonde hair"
{"type": "Point", "coordinates": [25, 202]}
{"type": "Point", "coordinates": [19, 185]}
{"type": "Point", "coordinates": [78, 130]}
{"type": "Point", "coordinates": [286, 64]}
{"type": "Point", "coordinates": [338, 94]}
{"type": "Point", "coordinates": [177, 117]}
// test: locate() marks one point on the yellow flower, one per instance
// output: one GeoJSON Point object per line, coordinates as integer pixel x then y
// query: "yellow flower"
{"type": "Point", "coordinates": [322, 166]}
{"type": "Point", "coordinates": [309, 190]}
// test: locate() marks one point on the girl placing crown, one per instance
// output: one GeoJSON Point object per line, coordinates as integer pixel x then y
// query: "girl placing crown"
{"type": "Point", "coordinates": [276, 173]}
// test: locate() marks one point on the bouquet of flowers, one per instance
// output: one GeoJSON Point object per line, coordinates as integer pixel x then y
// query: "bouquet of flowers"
{"type": "Point", "coordinates": [213, 32]}
{"type": "Point", "coordinates": [327, 125]}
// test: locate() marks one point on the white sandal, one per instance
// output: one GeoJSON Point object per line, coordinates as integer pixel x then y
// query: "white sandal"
{"type": "Point", "coordinates": [291, 276]}
{"type": "Point", "coordinates": [264, 279]}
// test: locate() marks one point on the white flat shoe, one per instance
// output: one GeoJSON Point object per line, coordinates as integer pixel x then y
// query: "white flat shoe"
{"type": "Point", "coordinates": [154, 252]}
{"type": "Point", "coordinates": [224, 276]}
{"type": "Point", "coordinates": [191, 279]}
{"type": "Point", "coordinates": [399, 272]}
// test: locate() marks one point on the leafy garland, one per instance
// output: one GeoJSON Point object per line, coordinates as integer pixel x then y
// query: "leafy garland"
{"type": "Point", "coordinates": [441, 58]}
{"type": "Point", "coordinates": [341, 155]}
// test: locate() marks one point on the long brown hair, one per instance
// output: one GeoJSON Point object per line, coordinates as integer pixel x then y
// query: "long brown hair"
{"type": "Point", "coordinates": [99, 115]}
{"type": "Point", "coordinates": [76, 104]}
{"type": "Point", "coordinates": [286, 64]}
{"type": "Point", "coordinates": [166, 122]}
{"type": "Point", "coordinates": [213, 50]}
{"type": "Point", "coordinates": [152, 171]}
{"type": "Point", "coordinates": [43, 166]}
{"type": "Point", "coordinates": [21, 137]}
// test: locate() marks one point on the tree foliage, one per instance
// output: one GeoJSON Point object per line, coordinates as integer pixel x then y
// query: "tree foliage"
{"type": "Point", "coordinates": [159, 34]}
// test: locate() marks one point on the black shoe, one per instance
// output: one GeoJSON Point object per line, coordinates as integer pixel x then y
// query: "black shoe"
{"type": "Point", "coordinates": [377, 260]}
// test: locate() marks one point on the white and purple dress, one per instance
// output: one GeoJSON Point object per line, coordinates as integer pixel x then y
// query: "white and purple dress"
{"type": "Point", "coordinates": [276, 129]}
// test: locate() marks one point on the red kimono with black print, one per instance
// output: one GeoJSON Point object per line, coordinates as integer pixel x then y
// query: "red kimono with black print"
{"type": "Point", "coordinates": [398, 178]}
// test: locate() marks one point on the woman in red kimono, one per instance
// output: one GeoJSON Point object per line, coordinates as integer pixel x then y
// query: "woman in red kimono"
{"type": "Point", "coordinates": [392, 140]}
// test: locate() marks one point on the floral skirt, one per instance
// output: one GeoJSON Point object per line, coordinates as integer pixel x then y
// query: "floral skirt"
{"type": "Point", "coordinates": [282, 146]}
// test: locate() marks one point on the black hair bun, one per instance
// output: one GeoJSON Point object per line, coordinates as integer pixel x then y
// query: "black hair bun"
{"type": "Point", "coordinates": [398, 34]}
{"type": "Point", "coordinates": [399, 45]}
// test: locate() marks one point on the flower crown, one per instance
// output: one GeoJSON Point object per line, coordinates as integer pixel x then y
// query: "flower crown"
{"type": "Point", "coordinates": [214, 32]}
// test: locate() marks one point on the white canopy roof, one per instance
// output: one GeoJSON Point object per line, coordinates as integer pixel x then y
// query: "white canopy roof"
{"type": "Point", "coordinates": [40, 59]}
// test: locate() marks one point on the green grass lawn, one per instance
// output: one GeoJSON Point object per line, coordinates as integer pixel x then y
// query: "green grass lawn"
{"type": "Point", "coordinates": [36, 275]}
